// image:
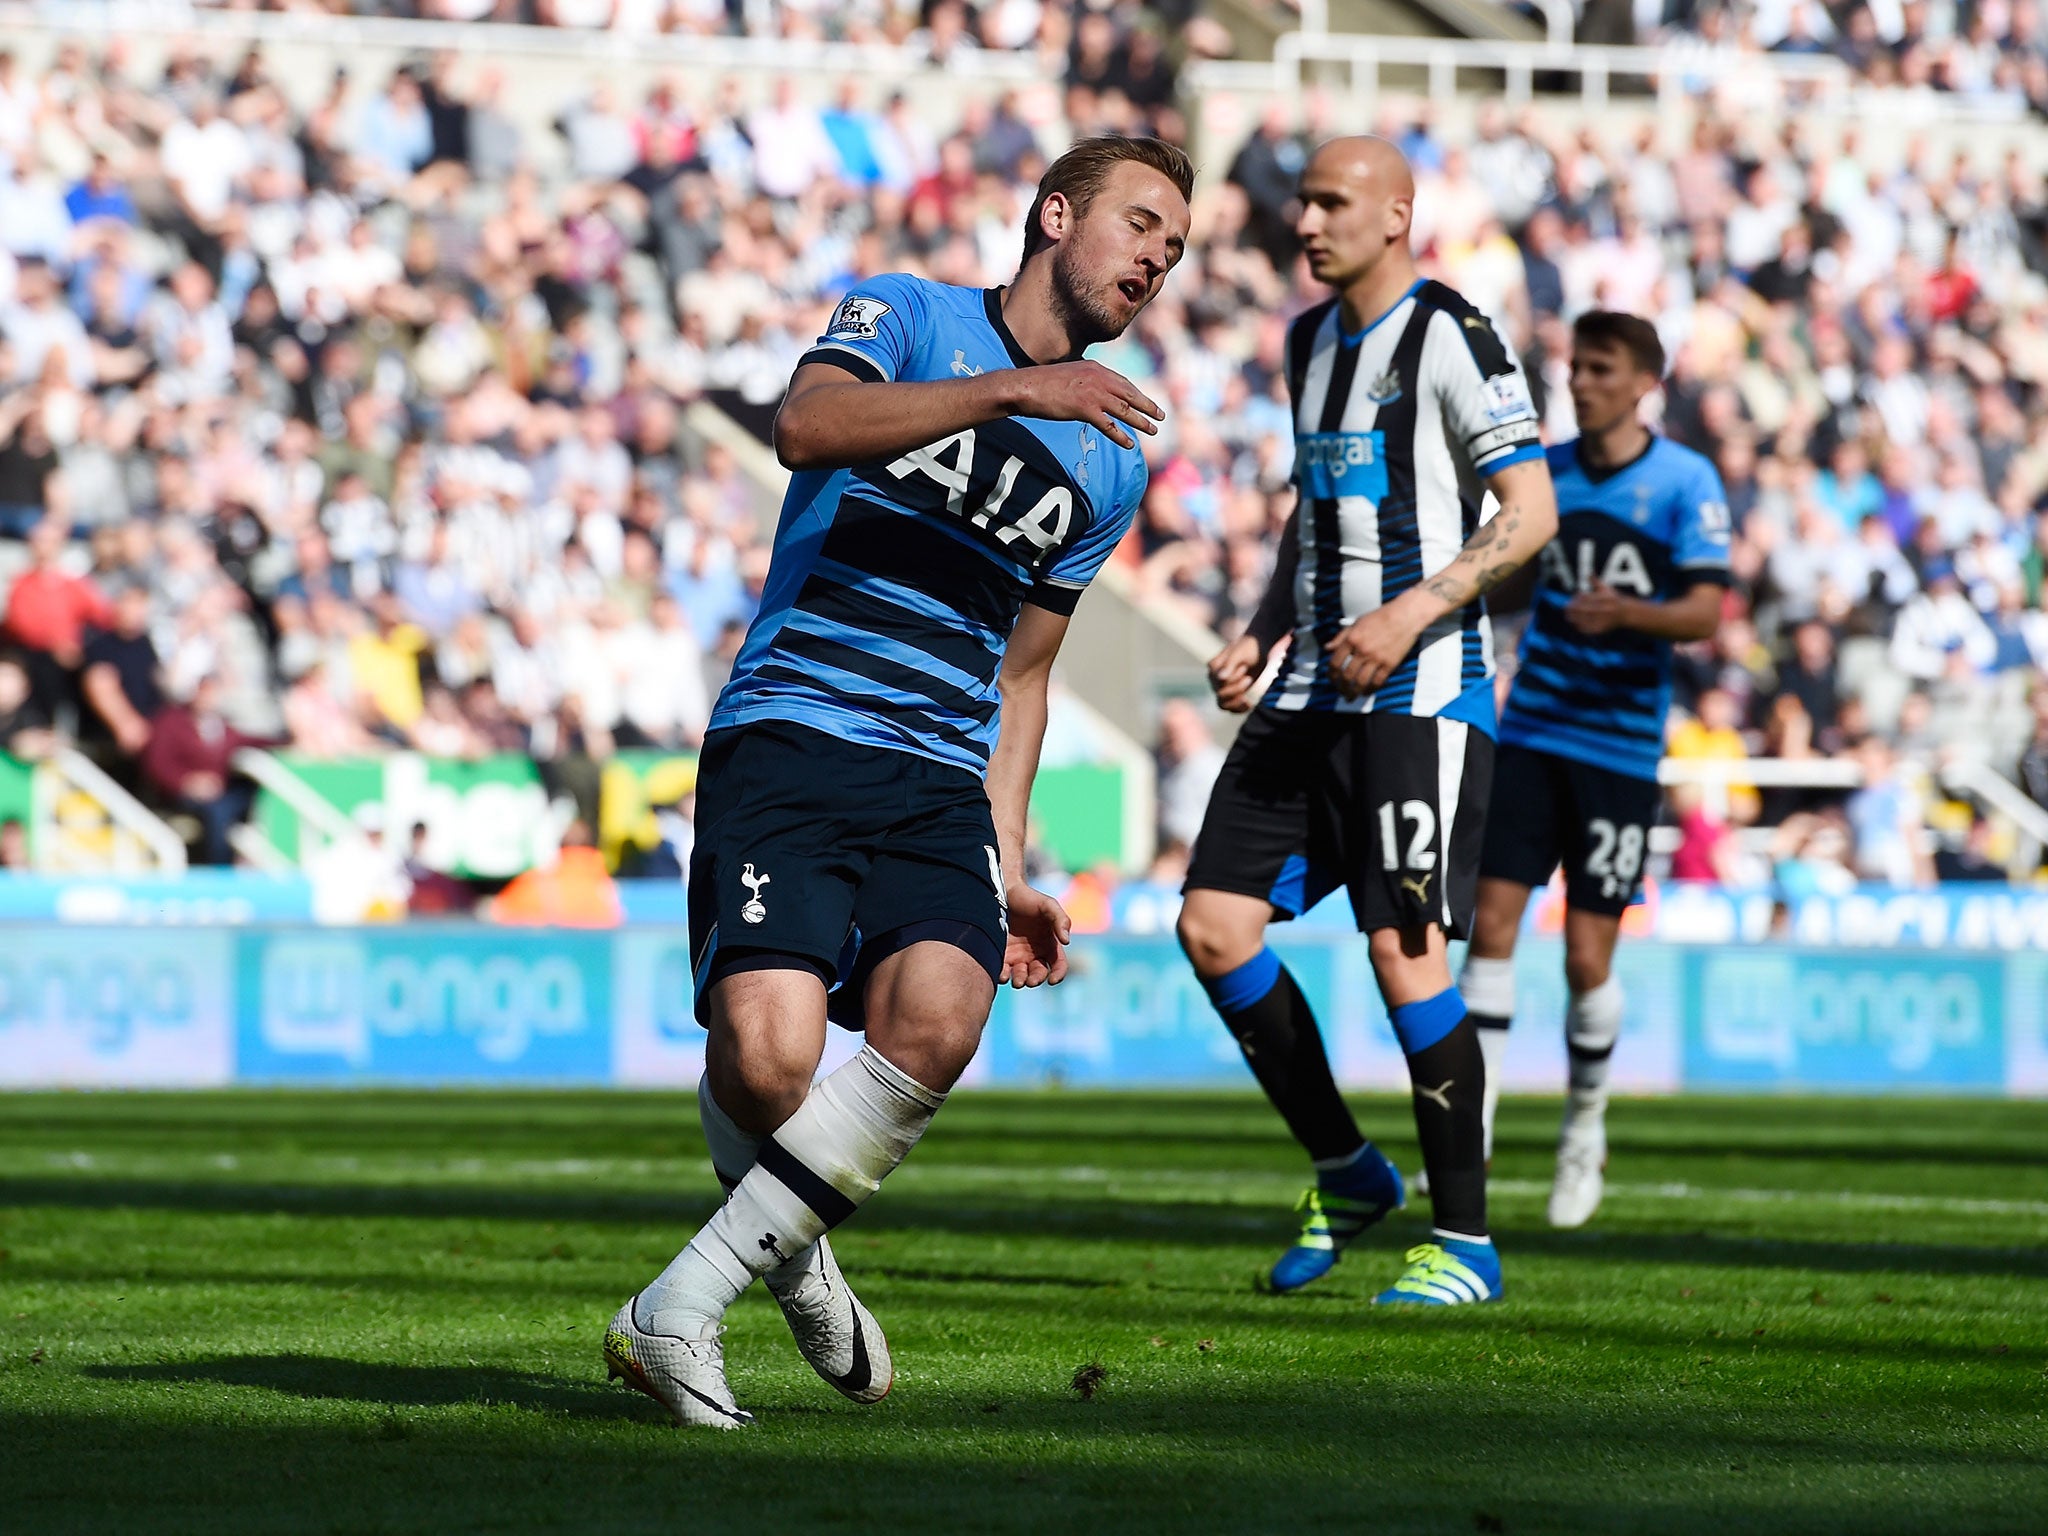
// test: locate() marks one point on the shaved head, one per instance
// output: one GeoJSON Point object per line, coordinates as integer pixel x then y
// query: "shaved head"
{"type": "Point", "coordinates": [1372, 163]}
{"type": "Point", "coordinates": [1357, 200]}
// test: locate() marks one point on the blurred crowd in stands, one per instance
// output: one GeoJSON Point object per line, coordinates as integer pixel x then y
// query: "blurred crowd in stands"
{"type": "Point", "coordinates": [1100, 46]}
{"type": "Point", "coordinates": [1862, 349]}
{"type": "Point", "coordinates": [1992, 52]}
{"type": "Point", "coordinates": [331, 423]}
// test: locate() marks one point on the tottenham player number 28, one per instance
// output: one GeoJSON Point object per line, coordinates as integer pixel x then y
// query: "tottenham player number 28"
{"type": "Point", "coordinates": [1617, 855]}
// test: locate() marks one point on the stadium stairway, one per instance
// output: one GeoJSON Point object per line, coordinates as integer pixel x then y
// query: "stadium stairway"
{"type": "Point", "coordinates": [1254, 24]}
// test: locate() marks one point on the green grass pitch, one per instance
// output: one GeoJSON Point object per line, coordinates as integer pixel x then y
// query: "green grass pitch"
{"type": "Point", "coordinates": [381, 1312]}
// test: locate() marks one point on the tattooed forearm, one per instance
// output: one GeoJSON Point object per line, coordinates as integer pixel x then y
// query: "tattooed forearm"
{"type": "Point", "coordinates": [1526, 521]}
{"type": "Point", "coordinates": [1487, 560]}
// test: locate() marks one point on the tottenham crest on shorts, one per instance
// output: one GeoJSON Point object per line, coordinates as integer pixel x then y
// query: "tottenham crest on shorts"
{"type": "Point", "coordinates": [857, 319]}
{"type": "Point", "coordinates": [755, 910]}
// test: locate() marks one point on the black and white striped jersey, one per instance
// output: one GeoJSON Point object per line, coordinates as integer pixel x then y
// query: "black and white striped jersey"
{"type": "Point", "coordinates": [1396, 427]}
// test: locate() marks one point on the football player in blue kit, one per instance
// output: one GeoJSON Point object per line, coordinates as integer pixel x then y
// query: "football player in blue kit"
{"type": "Point", "coordinates": [1640, 562]}
{"type": "Point", "coordinates": [961, 475]}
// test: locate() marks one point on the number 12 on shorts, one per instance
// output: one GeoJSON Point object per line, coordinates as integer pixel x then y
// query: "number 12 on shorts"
{"type": "Point", "coordinates": [1421, 818]}
{"type": "Point", "coordinates": [1617, 856]}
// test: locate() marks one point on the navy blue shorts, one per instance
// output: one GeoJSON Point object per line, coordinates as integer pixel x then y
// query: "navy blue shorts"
{"type": "Point", "coordinates": [819, 854]}
{"type": "Point", "coordinates": [1550, 810]}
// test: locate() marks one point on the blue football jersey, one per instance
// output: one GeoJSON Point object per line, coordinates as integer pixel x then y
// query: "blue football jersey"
{"type": "Point", "coordinates": [1650, 529]}
{"type": "Point", "coordinates": [895, 584]}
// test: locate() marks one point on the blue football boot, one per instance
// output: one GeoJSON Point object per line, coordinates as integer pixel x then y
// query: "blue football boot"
{"type": "Point", "coordinates": [1342, 1203]}
{"type": "Point", "coordinates": [1446, 1273]}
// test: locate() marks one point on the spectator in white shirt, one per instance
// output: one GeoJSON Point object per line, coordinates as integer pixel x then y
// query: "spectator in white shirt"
{"type": "Point", "coordinates": [1890, 576]}
{"type": "Point", "coordinates": [189, 334]}
{"type": "Point", "coordinates": [1938, 624]}
{"type": "Point", "coordinates": [204, 159]}
{"type": "Point", "coordinates": [662, 694]}
{"type": "Point", "coordinates": [1189, 760]}
{"type": "Point", "coordinates": [1819, 561]}
{"type": "Point", "coordinates": [791, 147]}
{"type": "Point", "coordinates": [1451, 206]}
{"type": "Point", "coordinates": [1899, 395]}
{"type": "Point", "coordinates": [358, 268]}
{"type": "Point", "coordinates": [527, 669]}
{"type": "Point", "coordinates": [20, 104]}
{"type": "Point", "coordinates": [361, 534]}
{"type": "Point", "coordinates": [720, 295]}
{"type": "Point", "coordinates": [1960, 505]}
{"type": "Point", "coordinates": [33, 218]}
{"type": "Point", "coordinates": [1757, 225]}
{"type": "Point", "coordinates": [593, 456]}
{"type": "Point", "coordinates": [37, 325]}
{"type": "Point", "coordinates": [601, 146]}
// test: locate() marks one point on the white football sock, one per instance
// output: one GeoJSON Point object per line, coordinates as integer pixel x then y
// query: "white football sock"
{"type": "Point", "coordinates": [733, 1153]}
{"type": "Point", "coordinates": [1488, 987]}
{"type": "Point", "coordinates": [1493, 1050]}
{"type": "Point", "coordinates": [732, 1150]}
{"type": "Point", "coordinates": [813, 1173]}
{"type": "Point", "coordinates": [1592, 1023]}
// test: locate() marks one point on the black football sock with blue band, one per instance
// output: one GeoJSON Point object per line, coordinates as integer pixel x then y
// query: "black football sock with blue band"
{"type": "Point", "coordinates": [1448, 1076]}
{"type": "Point", "coordinates": [1263, 1008]}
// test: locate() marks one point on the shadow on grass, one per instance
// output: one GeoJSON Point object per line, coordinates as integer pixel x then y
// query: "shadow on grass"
{"type": "Point", "coordinates": [1083, 1218]}
{"type": "Point", "coordinates": [1191, 1455]}
{"type": "Point", "coordinates": [322, 1378]}
{"type": "Point", "coordinates": [1211, 1130]}
{"type": "Point", "coordinates": [1717, 1250]}
{"type": "Point", "coordinates": [974, 1277]}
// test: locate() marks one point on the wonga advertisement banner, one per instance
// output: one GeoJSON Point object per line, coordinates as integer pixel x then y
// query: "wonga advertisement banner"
{"type": "Point", "coordinates": [1131, 1013]}
{"type": "Point", "coordinates": [1845, 1020]}
{"type": "Point", "coordinates": [465, 1003]}
{"type": "Point", "coordinates": [424, 1005]}
{"type": "Point", "coordinates": [116, 1007]}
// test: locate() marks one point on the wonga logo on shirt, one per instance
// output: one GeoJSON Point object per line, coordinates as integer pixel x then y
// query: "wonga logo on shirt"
{"type": "Point", "coordinates": [1333, 464]}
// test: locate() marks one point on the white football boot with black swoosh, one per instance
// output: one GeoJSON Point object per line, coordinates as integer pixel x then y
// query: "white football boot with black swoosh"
{"type": "Point", "coordinates": [685, 1376]}
{"type": "Point", "coordinates": [834, 1332]}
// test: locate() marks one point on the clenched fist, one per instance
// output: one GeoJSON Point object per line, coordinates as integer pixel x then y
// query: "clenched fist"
{"type": "Point", "coordinates": [1234, 672]}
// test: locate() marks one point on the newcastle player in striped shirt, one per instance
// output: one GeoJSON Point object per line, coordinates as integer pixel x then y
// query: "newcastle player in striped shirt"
{"type": "Point", "coordinates": [1368, 763]}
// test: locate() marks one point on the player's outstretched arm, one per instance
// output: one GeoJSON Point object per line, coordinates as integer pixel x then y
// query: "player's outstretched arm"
{"type": "Point", "coordinates": [1039, 927]}
{"type": "Point", "coordinates": [1235, 670]}
{"type": "Point", "coordinates": [1365, 653]}
{"type": "Point", "coordinates": [833, 419]}
{"type": "Point", "coordinates": [1693, 616]}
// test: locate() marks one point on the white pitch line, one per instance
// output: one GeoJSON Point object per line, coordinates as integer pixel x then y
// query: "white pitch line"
{"type": "Point", "coordinates": [1859, 1200]}
{"type": "Point", "coordinates": [1516, 1187]}
{"type": "Point", "coordinates": [1119, 1180]}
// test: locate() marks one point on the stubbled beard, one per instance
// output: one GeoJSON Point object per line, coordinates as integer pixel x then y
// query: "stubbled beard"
{"type": "Point", "coordinates": [1086, 319]}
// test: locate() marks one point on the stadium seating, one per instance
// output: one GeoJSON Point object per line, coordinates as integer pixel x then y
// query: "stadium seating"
{"type": "Point", "coordinates": [351, 416]}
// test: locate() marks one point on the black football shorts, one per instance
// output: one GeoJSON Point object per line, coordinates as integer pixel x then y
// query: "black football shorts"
{"type": "Point", "coordinates": [1389, 807]}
